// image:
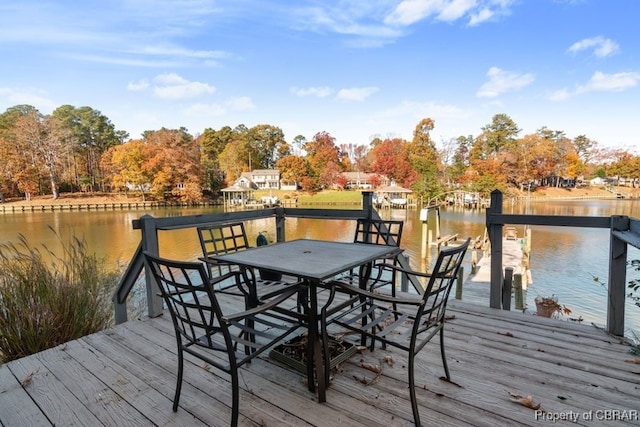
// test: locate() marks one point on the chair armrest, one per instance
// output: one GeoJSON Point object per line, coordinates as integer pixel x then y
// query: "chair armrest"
{"type": "Point", "coordinates": [264, 306]}
{"type": "Point", "coordinates": [397, 268]}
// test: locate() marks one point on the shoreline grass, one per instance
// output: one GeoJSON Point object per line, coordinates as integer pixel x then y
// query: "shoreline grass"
{"type": "Point", "coordinates": [47, 300]}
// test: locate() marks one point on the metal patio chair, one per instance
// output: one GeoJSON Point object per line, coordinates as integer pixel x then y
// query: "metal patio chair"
{"type": "Point", "coordinates": [376, 232]}
{"type": "Point", "coordinates": [219, 239]}
{"type": "Point", "coordinates": [204, 330]}
{"type": "Point", "coordinates": [406, 322]}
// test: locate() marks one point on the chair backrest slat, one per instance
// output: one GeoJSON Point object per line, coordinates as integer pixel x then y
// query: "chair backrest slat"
{"type": "Point", "coordinates": [378, 232]}
{"type": "Point", "coordinates": [191, 301]}
{"type": "Point", "coordinates": [219, 239]}
{"type": "Point", "coordinates": [442, 278]}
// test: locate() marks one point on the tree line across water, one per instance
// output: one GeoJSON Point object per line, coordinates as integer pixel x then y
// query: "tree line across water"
{"type": "Point", "coordinates": [79, 149]}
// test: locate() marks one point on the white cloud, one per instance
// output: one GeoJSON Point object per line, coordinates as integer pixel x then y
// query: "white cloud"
{"type": "Point", "coordinates": [477, 11]}
{"type": "Point", "coordinates": [601, 47]}
{"type": "Point", "coordinates": [560, 95]}
{"type": "Point", "coordinates": [356, 94]}
{"type": "Point", "coordinates": [318, 91]}
{"type": "Point", "coordinates": [501, 81]}
{"type": "Point", "coordinates": [600, 82]}
{"type": "Point", "coordinates": [610, 82]}
{"type": "Point", "coordinates": [205, 110]}
{"type": "Point", "coordinates": [171, 86]}
{"type": "Point", "coordinates": [177, 51]}
{"type": "Point", "coordinates": [241, 103]}
{"type": "Point", "coordinates": [138, 86]}
{"type": "Point", "coordinates": [28, 97]}
{"type": "Point", "coordinates": [420, 110]}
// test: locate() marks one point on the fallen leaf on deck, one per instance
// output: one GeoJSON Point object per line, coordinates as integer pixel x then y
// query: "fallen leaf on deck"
{"type": "Point", "coordinates": [634, 361]}
{"type": "Point", "coordinates": [526, 401]}
{"type": "Point", "coordinates": [506, 334]}
{"type": "Point", "coordinates": [373, 368]}
{"type": "Point", "coordinates": [27, 380]}
{"type": "Point", "coordinates": [364, 380]}
{"type": "Point", "coordinates": [389, 360]}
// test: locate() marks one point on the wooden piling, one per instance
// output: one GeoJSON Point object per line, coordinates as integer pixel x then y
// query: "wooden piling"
{"type": "Point", "coordinates": [517, 291]}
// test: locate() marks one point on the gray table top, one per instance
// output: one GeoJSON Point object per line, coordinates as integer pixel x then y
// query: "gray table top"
{"type": "Point", "coordinates": [311, 259]}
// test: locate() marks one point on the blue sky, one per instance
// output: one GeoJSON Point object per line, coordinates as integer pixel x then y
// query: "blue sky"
{"type": "Point", "coordinates": [355, 69]}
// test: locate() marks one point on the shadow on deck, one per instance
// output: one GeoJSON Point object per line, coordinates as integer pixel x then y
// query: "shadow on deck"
{"type": "Point", "coordinates": [126, 376]}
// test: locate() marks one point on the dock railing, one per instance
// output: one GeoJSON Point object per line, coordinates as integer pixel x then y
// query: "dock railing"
{"type": "Point", "coordinates": [624, 231]}
{"type": "Point", "coordinates": [149, 226]}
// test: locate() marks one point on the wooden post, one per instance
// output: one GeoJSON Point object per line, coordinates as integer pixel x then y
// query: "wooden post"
{"type": "Point", "coordinates": [459, 282]}
{"type": "Point", "coordinates": [280, 230]}
{"type": "Point", "coordinates": [404, 282]}
{"type": "Point", "coordinates": [506, 288]}
{"type": "Point", "coordinates": [517, 291]}
{"type": "Point", "coordinates": [367, 203]}
{"type": "Point", "coordinates": [617, 276]}
{"type": "Point", "coordinates": [474, 261]}
{"type": "Point", "coordinates": [495, 237]}
{"type": "Point", "coordinates": [425, 239]}
{"type": "Point", "coordinates": [150, 244]}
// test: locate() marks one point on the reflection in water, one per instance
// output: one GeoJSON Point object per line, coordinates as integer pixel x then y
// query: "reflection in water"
{"type": "Point", "coordinates": [564, 260]}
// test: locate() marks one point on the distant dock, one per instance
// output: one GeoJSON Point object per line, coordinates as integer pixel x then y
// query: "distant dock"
{"type": "Point", "coordinates": [515, 256]}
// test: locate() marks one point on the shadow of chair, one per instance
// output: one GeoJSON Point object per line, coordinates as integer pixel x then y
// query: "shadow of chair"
{"type": "Point", "coordinates": [220, 239]}
{"type": "Point", "coordinates": [407, 322]}
{"type": "Point", "coordinates": [204, 330]}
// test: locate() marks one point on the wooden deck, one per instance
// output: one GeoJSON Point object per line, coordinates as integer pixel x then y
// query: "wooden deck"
{"type": "Point", "coordinates": [126, 376]}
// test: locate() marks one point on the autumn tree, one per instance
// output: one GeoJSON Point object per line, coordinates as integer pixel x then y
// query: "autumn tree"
{"type": "Point", "coordinates": [88, 134]}
{"type": "Point", "coordinates": [234, 159]}
{"type": "Point", "coordinates": [293, 169]}
{"type": "Point", "coordinates": [500, 134]}
{"type": "Point", "coordinates": [627, 166]}
{"type": "Point", "coordinates": [175, 162]}
{"type": "Point", "coordinates": [127, 166]}
{"type": "Point", "coordinates": [266, 144]}
{"type": "Point", "coordinates": [38, 139]}
{"type": "Point", "coordinates": [212, 143]}
{"type": "Point", "coordinates": [391, 159]}
{"type": "Point", "coordinates": [425, 160]}
{"type": "Point", "coordinates": [460, 160]}
{"type": "Point", "coordinates": [166, 161]}
{"type": "Point", "coordinates": [321, 151]}
{"type": "Point", "coordinates": [19, 169]}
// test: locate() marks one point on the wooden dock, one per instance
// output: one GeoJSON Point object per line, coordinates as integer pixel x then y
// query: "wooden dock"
{"type": "Point", "coordinates": [126, 376]}
{"type": "Point", "coordinates": [477, 285]}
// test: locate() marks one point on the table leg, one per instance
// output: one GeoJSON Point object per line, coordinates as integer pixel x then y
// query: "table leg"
{"type": "Point", "coordinates": [315, 361]}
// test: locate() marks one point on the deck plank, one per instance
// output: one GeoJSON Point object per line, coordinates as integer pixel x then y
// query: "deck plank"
{"type": "Point", "coordinates": [126, 376]}
{"type": "Point", "coordinates": [16, 407]}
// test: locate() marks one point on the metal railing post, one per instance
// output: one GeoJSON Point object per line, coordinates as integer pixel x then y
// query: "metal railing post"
{"type": "Point", "coordinates": [280, 229]}
{"type": "Point", "coordinates": [617, 277]}
{"type": "Point", "coordinates": [150, 244]}
{"type": "Point", "coordinates": [495, 237]}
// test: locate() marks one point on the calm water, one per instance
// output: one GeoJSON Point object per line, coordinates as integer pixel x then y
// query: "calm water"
{"type": "Point", "coordinates": [564, 260]}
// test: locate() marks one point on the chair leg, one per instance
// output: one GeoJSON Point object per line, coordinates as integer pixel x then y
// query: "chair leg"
{"type": "Point", "coordinates": [176, 397]}
{"type": "Point", "coordinates": [412, 389]}
{"type": "Point", "coordinates": [235, 397]}
{"type": "Point", "coordinates": [444, 357]}
{"type": "Point", "coordinates": [325, 350]}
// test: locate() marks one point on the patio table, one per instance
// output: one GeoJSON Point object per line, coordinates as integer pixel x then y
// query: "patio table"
{"type": "Point", "coordinates": [313, 261]}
